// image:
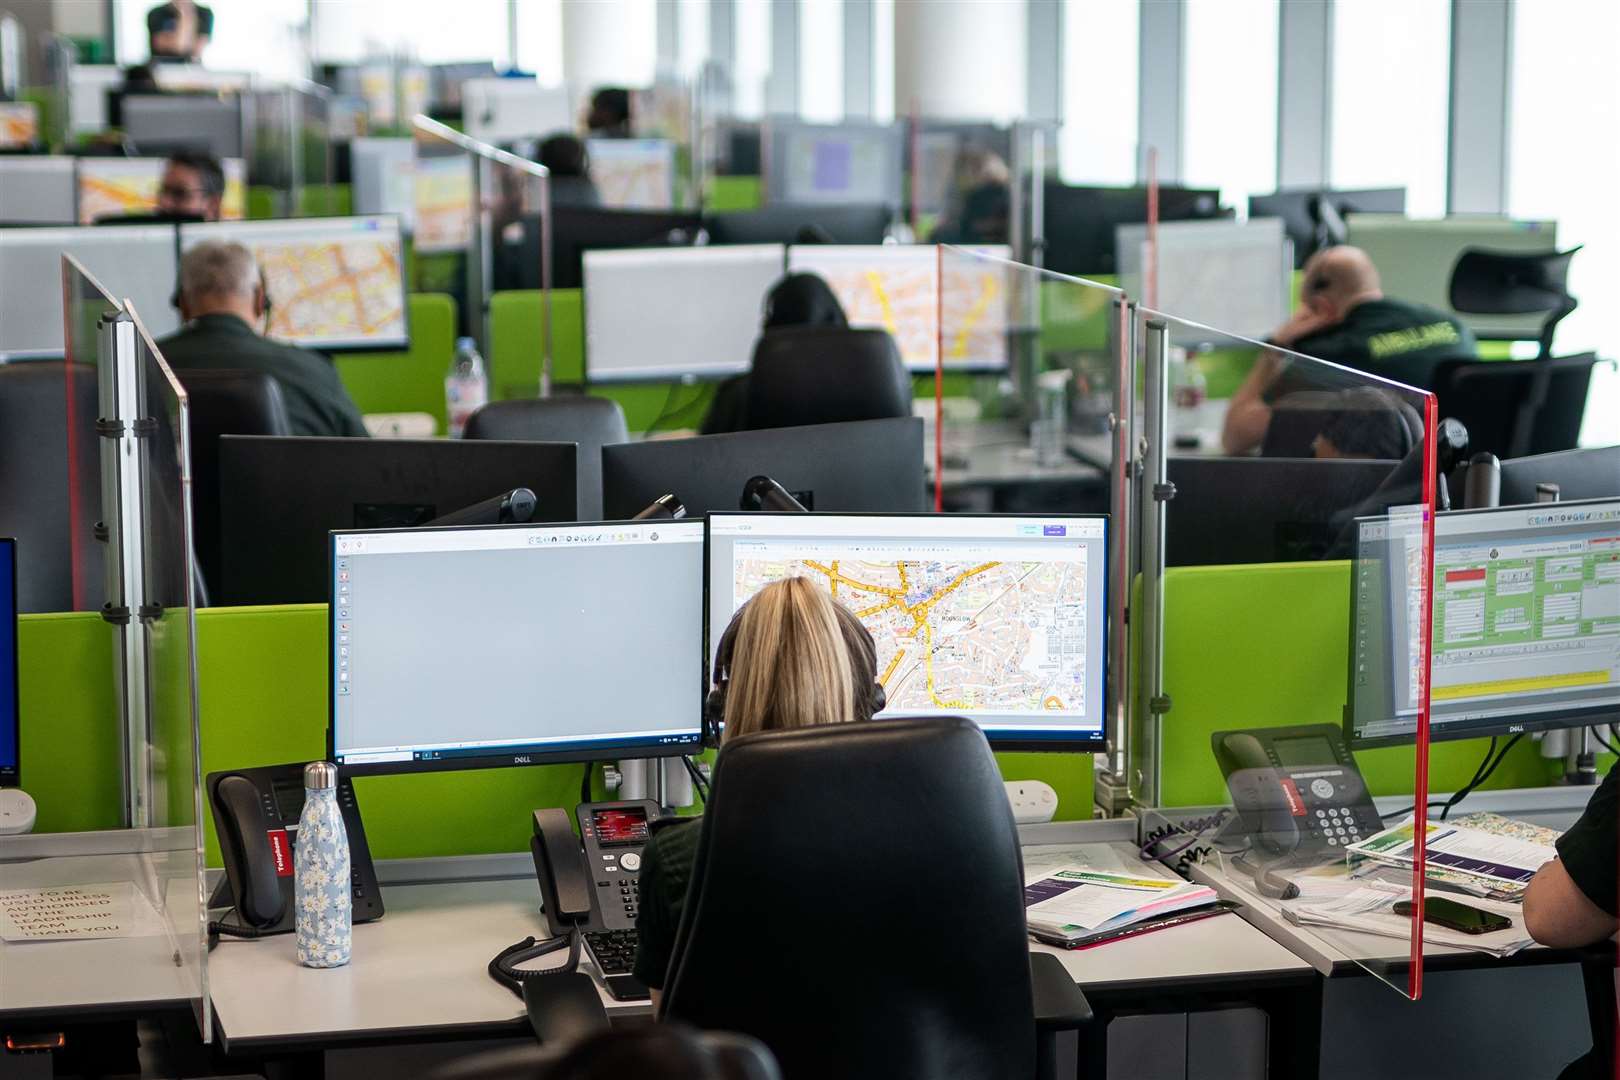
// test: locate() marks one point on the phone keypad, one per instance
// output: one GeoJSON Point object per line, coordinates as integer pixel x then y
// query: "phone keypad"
{"type": "Point", "coordinates": [1337, 825]}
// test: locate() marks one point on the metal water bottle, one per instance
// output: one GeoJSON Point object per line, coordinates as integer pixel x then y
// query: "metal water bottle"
{"type": "Point", "coordinates": [321, 891]}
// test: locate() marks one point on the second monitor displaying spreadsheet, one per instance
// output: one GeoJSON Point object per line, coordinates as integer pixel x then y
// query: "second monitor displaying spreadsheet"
{"type": "Point", "coordinates": [1526, 622]}
{"type": "Point", "coordinates": [997, 618]}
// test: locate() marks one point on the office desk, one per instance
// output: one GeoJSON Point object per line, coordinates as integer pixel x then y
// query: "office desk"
{"type": "Point", "coordinates": [1194, 432]}
{"type": "Point", "coordinates": [989, 467]}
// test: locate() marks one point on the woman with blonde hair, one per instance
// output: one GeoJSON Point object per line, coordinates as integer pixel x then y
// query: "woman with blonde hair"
{"type": "Point", "coordinates": [792, 657]}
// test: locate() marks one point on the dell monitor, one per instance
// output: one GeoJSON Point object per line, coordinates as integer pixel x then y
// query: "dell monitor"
{"type": "Point", "coordinates": [1302, 214]}
{"type": "Point", "coordinates": [675, 313]}
{"type": "Point", "coordinates": [1591, 473]}
{"type": "Point", "coordinates": [869, 465]}
{"type": "Point", "coordinates": [576, 230]}
{"type": "Point", "coordinates": [998, 618]}
{"type": "Point", "coordinates": [333, 283]}
{"type": "Point", "coordinates": [1526, 623]}
{"type": "Point", "coordinates": [10, 696]}
{"type": "Point", "coordinates": [802, 223]}
{"type": "Point", "coordinates": [1079, 222]}
{"type": "Point", "coordinates": [539, 651]}
{"type": "Point", "coordinates": [279, 497]}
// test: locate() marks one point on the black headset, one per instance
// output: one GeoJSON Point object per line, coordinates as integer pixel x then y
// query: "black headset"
{"type": "Point", "coordinates": [867, 705]}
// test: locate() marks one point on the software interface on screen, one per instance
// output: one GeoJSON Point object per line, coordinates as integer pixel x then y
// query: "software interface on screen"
{"type": "Point", "coordinates": [334, 283]}
{"type": "Point", "coordinates": [838, 164]}
{"type": "Point", "coordinates": [633, 174]}
{"type": "Point", "coordinates": [659, 313]}
{"type": "Point", "coordinates": [1000, 619]}
{"type": "Point", "coordinates": [573, 641]}
{"type": "Point", "coordinates": [8, 657]}
{"type": "Point", "coordinates": [1526, 621]}
{"type": "Point", "coordinates": [135, 263]}
{"type": "Point", "coordinates": [898, 288]}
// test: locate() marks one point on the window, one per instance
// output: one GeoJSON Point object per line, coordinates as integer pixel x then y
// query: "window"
{"type": "Point", "coordinates": [821, 60]}
{"type": "Point", "coordinates": [539, 40]}
{"type": "Point", "coordinates": [1229, 98]}
{"type": "Point", "coordinates": [430, 31]}
{"type": "Point", "coordinates": [1562, 164]}
{"type": "Point", "coordinates": [752, 27]}
{"type": "Point", "coordinates": [1391, 98]}
{"type": "Point", "coordinates": [263, 37]}
{"type": "Point", "coordinates": [1098, 141]}
{"type": "Point", "coordinates": [693, 16]}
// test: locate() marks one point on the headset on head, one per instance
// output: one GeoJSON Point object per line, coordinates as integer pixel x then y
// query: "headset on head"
{"type": "Point", "coordinates": [867, 704]}
{"type": "Point", "coordinates": [264, 291]}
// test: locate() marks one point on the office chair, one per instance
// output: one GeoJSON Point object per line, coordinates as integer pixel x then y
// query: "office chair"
{"type": "Point", "coordinates": [1388, 426]}
{"type": "Point", "coordinates": [591, 422]}
{"type": "Point", "coordinates": [1515, 408]}
{"type": "Point", "coordinates": [825, 375]}
{"type": "Point", "coordinates": [857, 905]}
{"type": "Point", "coordinates": [223, 402]}
{"type": "Point", "coordinates": [38, 484]}
{"type": "Point", "coordinates": [1515, 283]}
{"type": "Point", "coordinates": [631, 1053]}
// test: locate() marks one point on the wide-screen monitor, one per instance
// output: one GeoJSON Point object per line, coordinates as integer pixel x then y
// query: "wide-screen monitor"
{"type": "Point", "coordinates": [166, 123]}
{"type": "Point", "coordinates": [19, 125]}
{"type": "Point", "coordinates": [999, 618]}
{"type": "Point", "coordinates": [1592, 472]}
{"type": "Point", "coordinates": [833, 163]}
{"type": "Point", "coordinates": [1079, 222]}
{"type": "Point", "coordinates": [333, 283]}
{"type": "Point", "coordinates": [442, 190]}
{"type": "Point", "coordinates": [115, 187]}
{"type": "Point", "coordinates": [662, 313]}
{"type": "Point", "coordinates": [802, 223]}
{"type": "Point", "coordinates": [1526, 623]}
{"type": "Point", "coordinates": [501, 110]}
{"type": "Point", "coordinates": [469, 648]}
{"type": "Point", "coordinates": [1233, 276]}
{"type": "Point", "coordinates": [10, 703]}
{"type": "Point", "coordinates": [633, 174]}
{"type": "Point", "coordinates": [36, 190]}
{"type": "Point", "coordinates": [896, 288]}
{"type": "Point", "coordinates": [135, 263]}
{"type": "Point", "coordinates": [1302, 210]}
{"type": "Point", "coordinates": [383, 172]}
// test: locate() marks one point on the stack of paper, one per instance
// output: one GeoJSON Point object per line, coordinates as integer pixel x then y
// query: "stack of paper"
{"type": "Point", "coordinates": [1075, 902]}
{"type": "Point", "coordinates": [1369, 908]}
{"type": "Point", "coordinates": [1465, 855]}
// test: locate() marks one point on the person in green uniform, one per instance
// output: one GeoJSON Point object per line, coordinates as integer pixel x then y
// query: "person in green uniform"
{"type": "Point", "coordinates": [223, 303]}
{"type": "Point", "coordinates": [792, 657]}
{"type": "Point", "coordinates": [1344, 318]}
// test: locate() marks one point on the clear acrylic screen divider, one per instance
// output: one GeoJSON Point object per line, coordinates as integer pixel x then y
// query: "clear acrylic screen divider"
{"type": "Point", "coordinates": [1027, 369]}
{"type": "Point", "coordinates": [1295, 502]}
{"type": "Point", "coordinates": [85, 305]}
{"type": "Point", "coordinates": [113, 919]}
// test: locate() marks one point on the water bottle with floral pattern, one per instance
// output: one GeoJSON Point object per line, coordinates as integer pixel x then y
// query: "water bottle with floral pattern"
{"type": "Point", "coordinates": [321, 896]}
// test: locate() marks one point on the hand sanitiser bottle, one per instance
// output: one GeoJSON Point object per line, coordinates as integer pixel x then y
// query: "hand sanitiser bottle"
{"type": "Point", "coordinates": [321, 889]}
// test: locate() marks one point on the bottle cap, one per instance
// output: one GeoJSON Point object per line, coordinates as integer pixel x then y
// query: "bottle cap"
{"type": "Point", "coordinates": [320, 776]}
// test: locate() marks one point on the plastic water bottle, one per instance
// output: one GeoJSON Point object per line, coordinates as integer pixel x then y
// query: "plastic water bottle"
{"type": "Point", "coordinates": [1049, 429]}
{"type": "Point", "coordinates": [323, 902]}
{"type": "Point", "coordinates": [466, 388]}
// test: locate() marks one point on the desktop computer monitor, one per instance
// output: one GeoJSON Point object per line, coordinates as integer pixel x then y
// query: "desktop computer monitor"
{"type": "Point", "coordinates": [441, 217]}
{"type": "Point", "coordinates": [279, 497]}
{"type": "Point", "coordinates": [865, 466]}
{"type": "Point", "coordinates": [1526, 622]}
{"type": "Point", "coordinates": [10, 697]}
{"type": "Point", "coordinates": [36, 190]}
{"type": "Point", "coordinates": [19, 125]}
{"type": "Point", "coordinates": [999, 618]}
{"type": "Point", "coordinates": [1079, 222]}
{"type": "Point", "coordinates": [161, 124]}
{"type": "Point", "coordinates": [471, 648]}
{"type": "Point", "coordinates": [135, 263]}
{"type": "Point", "coordinates": [788, 223]}
{"type": "Point", "coordinates": [1592, 473]}
{"type": "Point", "coordinates": [633, 174]}
{"type": "Point", "coordinates": [1299, 210]}
{"type": "Point", "coordinates": [576, 230]}
{"type": "Point", "coordinates": [498, 111]}
{"type": "Point", "coordinates": [1231, 276]}
{"type": "Point", "coordinates": [832, 163]}
{"type": "Point", "coordinates": [670, 313]}
{"type": "Point", "coordinates": [334, 283]}
{"type": "Point", "coordinates": [896, 287]}
{"type": "Point", "coordinates": [383, 174]}
{"type": "Point", "coordinates": [448, 80]}
{"type": "Point", "coordinates": [118, 187]}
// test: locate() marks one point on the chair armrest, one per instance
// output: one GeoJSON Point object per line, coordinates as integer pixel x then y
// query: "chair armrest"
{"type": "Point", "coordinates": [1059, 1004]}
{"type": "Point", "coordinates": [564, 1007]}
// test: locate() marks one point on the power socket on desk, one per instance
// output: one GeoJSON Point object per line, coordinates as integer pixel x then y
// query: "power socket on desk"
{"type": "Point", "coordinates": [1032, 801]}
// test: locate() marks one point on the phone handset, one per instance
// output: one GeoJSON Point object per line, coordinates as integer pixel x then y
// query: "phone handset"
{"type": "Point", "coordinates": [559, 863]}
{"type": "Point", "coordinates": [251, 863]}
{"type": "Point", "coordinates": [1260, 793]}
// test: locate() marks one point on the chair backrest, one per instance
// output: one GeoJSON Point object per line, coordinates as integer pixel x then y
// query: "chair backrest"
{"type": "Point", "coordinates": [857, 905]}
{"type": "Point", "coordinates": [38, 483]}
{"type": "Point", "coordinates": [1368, 421]}
{"type": "Point", "coordinates": [825, 375]}
{"type": "Point", "coordinates": [1515, 408]}
{"type": "Point", "coordinates": [223, 402]}
{"type": "Point", "coordinates": [1487, 282]}
{"type": "Point", "coordinates": [592, 422]}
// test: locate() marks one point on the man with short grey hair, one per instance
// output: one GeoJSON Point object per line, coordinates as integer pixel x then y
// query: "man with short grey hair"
{"type": "Point", "coordinates": [223, 303]}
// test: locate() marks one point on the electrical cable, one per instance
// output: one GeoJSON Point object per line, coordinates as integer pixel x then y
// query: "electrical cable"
{"type": "Point", "coordinates": [1483, 774]}
{"type": "Point", "coordinates": [1597, 733]}
{"type": "Point", "coordinates": [585, 784]}
{"type": "Point", "coordinates": [698, 782]}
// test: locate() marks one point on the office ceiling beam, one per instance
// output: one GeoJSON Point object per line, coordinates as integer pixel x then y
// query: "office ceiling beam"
{"type": "Point", "coordinates": [1304, 93]}
{"type": "Point", "coordinates": [1481, 101]}
{"type": "Point", "coordinates": [1162, 82]}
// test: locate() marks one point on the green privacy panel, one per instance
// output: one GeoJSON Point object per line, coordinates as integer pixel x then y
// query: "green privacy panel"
{"type": "Point", "coordinates": [411, 381]}
{"type": "Point", "coordinates": [734, 193]}
{"type": "Point", "coordinates": [515, 336]}
{"type": "Point", "coordinates": [261, 202]}
{"type": "Point", "coordinates": [69, 712]}
{"type": "Point", "coordinates": [1268, 645]}
{"type": "Point", "coordinates": [325, 200]}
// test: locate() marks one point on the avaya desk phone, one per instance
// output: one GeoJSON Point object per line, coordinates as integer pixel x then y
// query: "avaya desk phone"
{"type": "Point", "coordinates": [1297, 789]}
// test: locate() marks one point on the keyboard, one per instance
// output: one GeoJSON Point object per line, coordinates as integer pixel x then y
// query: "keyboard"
{"type": "Point", "coordinates": [615, 954]}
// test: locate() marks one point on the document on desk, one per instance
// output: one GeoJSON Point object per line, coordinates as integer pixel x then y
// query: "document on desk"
{"type": "Point", "coordinates": [76, 912]}
{"type": "Point", "coordinates": [1077, 900]}
{"type": "Point", "coordinates": [1505, 862]}
{"type": "Point", "coordinates": [1370, 909]}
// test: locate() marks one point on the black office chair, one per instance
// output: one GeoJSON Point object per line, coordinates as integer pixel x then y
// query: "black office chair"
{"type": "Point", "coordinates": [591, 422]}
{"type": "Point", "coordinates": [223, 402]}
{"type": "Point", "coordinates": [1364, 421]}
{"type": "Point", "coordinates": [646, 1052]}
{"type": "Point", "coordinates": [38, 486]}
{"type": "Point", "coordinates": [1514, 408]}
{"type": "Point", "coordinates": [1515, 283]}
{"type": "Point", "coordinates": [857, 904]}
{"type": "Point", "coordinates": [825, 375]}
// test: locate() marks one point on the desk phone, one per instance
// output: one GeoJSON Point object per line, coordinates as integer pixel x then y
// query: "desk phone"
{"type": "Point", "coordinates": [1297, 788]}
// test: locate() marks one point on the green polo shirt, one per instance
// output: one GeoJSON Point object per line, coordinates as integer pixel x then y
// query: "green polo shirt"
{"type": "Point", "coordinates": [1394, 340]}
{"type": "Point", "coordinates": [317, 403]}
{"type": "Point", "coordinates": [666, 871]}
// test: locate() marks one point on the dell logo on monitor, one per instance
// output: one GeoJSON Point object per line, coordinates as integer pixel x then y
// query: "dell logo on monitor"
{"type": "Point", "coordinates": [522, 759]}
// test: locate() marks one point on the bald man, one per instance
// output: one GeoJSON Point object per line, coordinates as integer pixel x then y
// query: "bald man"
{"type": "Point", "coordinates": [1345, 318]}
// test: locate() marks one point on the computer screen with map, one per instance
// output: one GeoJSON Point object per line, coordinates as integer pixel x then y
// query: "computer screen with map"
{"type": "Point", "coordinates": [472, 647]}
{"type": "Point", "coordinates": [896, 287]}
{"type": "Point", "coordinates": [334, 283]}
{"type": "Point", "coordinates": [114, 187]}
{"type": "Point", "coordinates": [633, 174]}
{"type": "Point", "coordinates": [999, 618]}
{"type": "Point", "coordinates": [1526, 622]}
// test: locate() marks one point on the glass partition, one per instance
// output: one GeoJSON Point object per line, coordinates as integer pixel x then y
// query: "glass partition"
{"type": "Point", "coordinates": [85, 307]}
{"type": "Point", "coordinates": [1295, 512]}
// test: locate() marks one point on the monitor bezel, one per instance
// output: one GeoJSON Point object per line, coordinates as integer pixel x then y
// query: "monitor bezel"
{"type": "Point", "coordinates": [1068, 742]}
{"type": "Point", "coordinates": [585, 753]}
{"type": "Point", "coordinates": [1487, 728]}
{"type": "Point", "coordinates": [11, 775]}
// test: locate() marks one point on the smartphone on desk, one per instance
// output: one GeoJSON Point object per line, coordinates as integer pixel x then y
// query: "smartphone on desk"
{"type": "Point", "coordinates": [1455, 916]}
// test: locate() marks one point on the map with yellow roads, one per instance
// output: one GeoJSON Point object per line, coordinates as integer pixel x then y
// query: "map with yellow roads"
{"type": "Point", "coordinates": [954, 636]}
{"type": "Point", "coordinates": [333, 291]}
